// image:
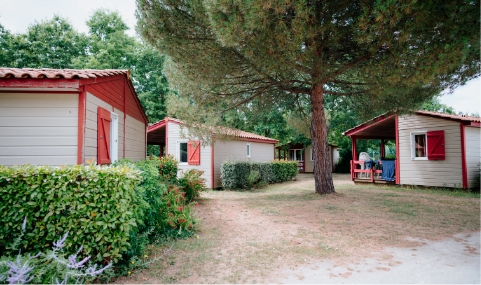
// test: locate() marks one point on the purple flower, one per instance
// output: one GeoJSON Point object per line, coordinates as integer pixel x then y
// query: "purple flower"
{"type": "Point", "coordinates": [19, 273]}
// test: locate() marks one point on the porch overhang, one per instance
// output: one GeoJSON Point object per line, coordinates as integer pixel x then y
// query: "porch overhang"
{"type": "Point", "coordinates": [156, 134]}
{"type": "Point", "coordinates": [381, 127]}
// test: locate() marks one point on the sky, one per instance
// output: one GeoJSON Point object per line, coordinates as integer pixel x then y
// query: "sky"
{"type": "Point", "coordinates": [17, 15]}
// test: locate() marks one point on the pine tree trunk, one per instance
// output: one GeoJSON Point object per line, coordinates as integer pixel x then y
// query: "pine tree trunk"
{"type": "Point", "coordinates": [320, 147]}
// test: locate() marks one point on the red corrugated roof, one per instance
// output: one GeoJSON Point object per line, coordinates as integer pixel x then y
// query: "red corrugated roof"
{"type": "Point", "coordinates": [59, 73]}
{"type": "Point", "coordinates": [221, 130]}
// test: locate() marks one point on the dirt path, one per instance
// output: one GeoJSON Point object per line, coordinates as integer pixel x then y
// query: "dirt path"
{"type": "Point", "coordinates": [266, 235]}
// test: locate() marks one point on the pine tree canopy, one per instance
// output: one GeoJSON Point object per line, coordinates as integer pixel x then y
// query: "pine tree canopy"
{"type": "Point", "coordinates": [377, 54]}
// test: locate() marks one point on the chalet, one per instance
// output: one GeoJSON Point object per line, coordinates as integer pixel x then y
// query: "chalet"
{"type": "Point", "coordinates": [60, 117]}
{"type": "Point", "coordinates": [303, 155]}
{"type": "Point", "coordinates": [192, 154]}
{"type": "Point", "coordinates": [432, 149]}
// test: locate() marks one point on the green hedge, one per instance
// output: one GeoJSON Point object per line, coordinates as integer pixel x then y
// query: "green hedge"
{"type": "Point", "coordinates": [95, 205]}
{"type": "Point", "coordinates": [236, 174]}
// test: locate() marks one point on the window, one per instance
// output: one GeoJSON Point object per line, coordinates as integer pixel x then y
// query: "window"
{"type": "Point", "coordinates": [419, 145]}
{"type": "Point", "coordinates": [296, 154]}
{"type": "Point", "coordinates": [428, 145]}
{"type": "Point", "coordinates": [189, 152]}
{"type": "Point", "coordinates": [248, 150]}
{"type": "Point", "coordinates": [183, 152]}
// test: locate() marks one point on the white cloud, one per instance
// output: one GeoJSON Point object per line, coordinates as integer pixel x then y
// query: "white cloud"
{"type": "Point", "coordinates": [466, 98]}
{"type": "Point", "coordinates": [17, 15]}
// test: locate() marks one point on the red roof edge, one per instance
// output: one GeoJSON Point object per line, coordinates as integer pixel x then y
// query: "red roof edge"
{"type": "Point", "coordinates": [259, 138]}
{"type": "Point", "coordinates": [369, 123]}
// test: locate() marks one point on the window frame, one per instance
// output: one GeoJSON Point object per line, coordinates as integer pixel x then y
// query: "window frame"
{"type": "Point", "coordinates": [179, 142]}
{"type": "Point", "coordinates": [114, 137]}
{"type": "Point", "coordinates": [295, 154]}
{"type": "Point", "coordinates": [249, 150]}
{"type": "Point", "coordinates": [413, 145]}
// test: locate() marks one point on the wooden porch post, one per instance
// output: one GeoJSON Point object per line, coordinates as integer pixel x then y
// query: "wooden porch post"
{"type": "Point", "coordinates": [354, 147]}
{"type": "Point", "coordinates": [382, 148]}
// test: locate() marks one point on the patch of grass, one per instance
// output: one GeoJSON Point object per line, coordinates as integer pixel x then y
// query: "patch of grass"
{"type": "Point", "coordinates": [401, 207]}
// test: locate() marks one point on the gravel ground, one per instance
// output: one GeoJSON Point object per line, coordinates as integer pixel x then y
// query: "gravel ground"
{"type": "Point", "coordinates": [450, 261]}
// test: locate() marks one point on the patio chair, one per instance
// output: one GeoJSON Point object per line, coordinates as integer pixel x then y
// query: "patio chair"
{"type": "Point", "coordinates": [363, 156]}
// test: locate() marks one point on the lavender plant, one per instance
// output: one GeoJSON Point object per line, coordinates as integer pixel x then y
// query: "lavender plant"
{"type": "Point", "coordinates": [51, 267]}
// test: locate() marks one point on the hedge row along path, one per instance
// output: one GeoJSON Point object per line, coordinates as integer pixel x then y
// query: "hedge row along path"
{"type": "Point", "coordinates": [270, 235]}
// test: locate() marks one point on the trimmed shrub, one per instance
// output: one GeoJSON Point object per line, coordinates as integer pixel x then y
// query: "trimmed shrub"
{"type": "Point", "coordinates": [192, 184]}
{"type": "Point", "coordinates": [238, 174]}
{"type": "Point", "coordinates": [284, 170]}
{"type": "Point", "coordinates": [96, 205]}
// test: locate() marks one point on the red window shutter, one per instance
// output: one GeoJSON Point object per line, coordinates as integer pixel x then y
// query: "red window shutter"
{"type": "Point", "coordinates": [436, 148]}
{"type": "Point", "coordinates": [193, 152]}
{"type": "Point", "coordinates": [103, 136]}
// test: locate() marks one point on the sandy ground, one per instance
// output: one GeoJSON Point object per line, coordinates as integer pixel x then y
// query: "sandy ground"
{"type": "Point", "coordinates": [450, 261]}
{"type": "Point", "coordinates": [289, 234]}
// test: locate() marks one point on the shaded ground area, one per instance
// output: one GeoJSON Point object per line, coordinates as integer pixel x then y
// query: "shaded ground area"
{"type": "Point", "coordinates": [277, 234]}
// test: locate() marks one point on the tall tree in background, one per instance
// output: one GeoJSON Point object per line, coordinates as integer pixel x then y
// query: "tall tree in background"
{"type": "Point", "coordinates": [377, 54]}
{"type": "Point", "coordinates": [51, 43]}
{"type": "Point", "coordinates": [56, 44]}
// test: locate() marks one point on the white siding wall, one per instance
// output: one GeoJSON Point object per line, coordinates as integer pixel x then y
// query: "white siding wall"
{"type": "Point", "coordinates": [120, 132]}
{"type": "Point", "coordinates": [237, 151]}
{"type": "Point", "coordinates": [473, 155]}
{"type": "Point", "coordinates": [134, 140]}
{"type": "Point", "coordinates": [310, 164]}
{"type": "Point", "coordinates": [174, 136]}
{"type": "Point", "coordinates": [441, 173]}
{"type": "Point", "coordinates": [91, 126]}
{"type": "Point", "coordinates": [38, 128]}
{"type": "Point", "coordinates": [135, 143]}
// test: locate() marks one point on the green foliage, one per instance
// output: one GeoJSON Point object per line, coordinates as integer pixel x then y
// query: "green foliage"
{"type": "Point", "coordinates": [436, 106]}
{"type": "Point", "coordinates": [253, 179]}
{"type": "Point", "coordinates": [344, 164]}
{"type": "Point", "coordinates": [177, 215]}
{"type": "Point", "coordinates": [247, 175]}
{"type": "Point", "coordinates": [192, 184]}
{"type": "Point", "coordinates": [168, 168]}
{"type": "Point", "coordinates": [284, 170]}
{"type": "Point", "coordinates": [48, 268]}
{"type": "Point", "coordinates": [375, 55]}
{"type": "Point", "coordinates": [56, 44]}
{"type": "Point", "coordinates": [50, 43]}
{"type": "Point", "coordinates": [96, 205]}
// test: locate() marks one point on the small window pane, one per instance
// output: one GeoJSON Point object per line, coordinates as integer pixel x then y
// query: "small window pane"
{"type": "Point", "coordinates": [299, 155]}
{"type": "Point", "coordinates": [248, 150]}
{"type": "Point", "coordinates": [420, 145]}
{"type": "Point", "coordinates": [183, 152]}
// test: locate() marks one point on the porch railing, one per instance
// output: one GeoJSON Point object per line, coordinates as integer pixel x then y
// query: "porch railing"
{"type": "Point", "coordinates": [355, 170]}
{"type": "Point", "coordinates": [300, 166]}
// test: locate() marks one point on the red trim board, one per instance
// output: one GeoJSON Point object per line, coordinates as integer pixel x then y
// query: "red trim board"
{"type": "Point", "coordinates": [398, 164]}
{"type": "Point", "coordinates": [81, 126]}
{"type": "Point", "coordinates": [166, 136]}
{"type": "Point", "coordinates": [463, 155]}
{"type": "Point", "coordinates": [366, 126]}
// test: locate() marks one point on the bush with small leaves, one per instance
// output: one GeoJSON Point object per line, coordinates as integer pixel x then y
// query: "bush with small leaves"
{"type": "Point", "coordinates": [50, 267]}
{"type": "Point", "coordinates": [192, 184]}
